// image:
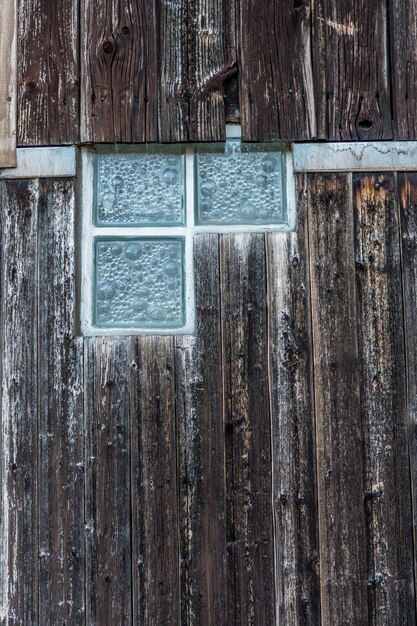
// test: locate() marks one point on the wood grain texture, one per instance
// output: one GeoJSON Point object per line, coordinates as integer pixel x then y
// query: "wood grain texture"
{"type": "Point", "coordinates": [108, 486]}
{"type": "Point", "coordinates": [403, 36]}
{"type": "Point", "coordinates": [407, 191]}
{"type": "Point", "coordinates": [351, 60]}
{"type": "Point", "coordinates": [154, 492]}
{"type": "Point", "coordinates": [19, 399]}
{"type": "Point", "coordinates": [276, 74]}
{"type": "Point", "coordinates": [201, 449]}
{"type": "Point", "coordinates": [60, 402]}
{"type": "Point", "coordinates": [119, 51]}
{"type": "Point", "coordinates": [383, 401]}
{"type": "Point", "coordinates": [293, 426]}
{"type": "Point", "coordinates": [48, 72]}
{"type": "Point", "coordinates": [339, 428]}
{"type": "Point", "coordinates": [250, 542]}
{"type": "Point", "coordinates": [8, 83]}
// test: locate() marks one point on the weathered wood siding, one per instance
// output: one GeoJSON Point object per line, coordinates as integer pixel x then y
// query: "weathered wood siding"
{"type": "Point", "coordinates": [260, 472]}
{"type": "Point", "coordinates": [112, 71]}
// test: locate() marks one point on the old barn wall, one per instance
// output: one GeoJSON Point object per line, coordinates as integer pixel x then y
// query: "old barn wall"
{"type": "Point", "coordinates": [263, 471]}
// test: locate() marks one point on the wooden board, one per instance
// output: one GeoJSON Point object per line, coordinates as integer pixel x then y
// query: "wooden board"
{"type": "Point", "coordinates": [293, 427]}
{"type": "Point", "coordinates": [249, 515]}
{"type": "Point", "coordinates": [48, 72]}
{"type": "Point", "coordinates": [351, 57]}
{"type": "Point", "coordinates": [19, 400]}
{"type": "Point", "coordinates": [154, 488]}
{"type": "Point", "coordinates": [60, 417]}
{"type": "Point", "coordinates": [407, 191]}
{"type": "Point", "coordinates": [108, 476]}
{"type": "Point", "coordinates": [276, 74]}
{"type": "Point", "coordinates": [403, 37]}
{"type": "Point", "coordinates": [8, 84]}
{"type": "Point", "coordinates": [119, 44]}
{"type": "Point", "coordinates": [383, 400]}
{"type": "Point", "coordinates": [339, 427]}
{"type": "Point", "coordinates": [201, 449]}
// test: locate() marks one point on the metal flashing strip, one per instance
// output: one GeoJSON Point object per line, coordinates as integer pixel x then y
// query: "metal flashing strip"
{"type": "Point", "coordinates": [43, 163]}
{"type": "Point", "coordinates": [386, 156]}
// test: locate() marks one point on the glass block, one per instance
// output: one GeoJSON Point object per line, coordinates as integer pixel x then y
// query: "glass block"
{"type": "Point", "coordinates": [238, 183]}
{"type": "Point", "coordinates": [139, 282]}
{"type": "Point", "coordinates": [139, 186]}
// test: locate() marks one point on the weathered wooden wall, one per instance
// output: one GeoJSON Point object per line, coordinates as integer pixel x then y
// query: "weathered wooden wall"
{"type": "Point", "coordinates": [260, 472]}
{"type": "Point", "coordinates": [112, 71]}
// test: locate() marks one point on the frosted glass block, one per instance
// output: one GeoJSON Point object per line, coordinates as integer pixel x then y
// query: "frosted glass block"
{"type": "Point", "coordinates": [139, 282]}
{"type": "Point", "coordinates": [238, 183]}
{"type": "Point", "coordinates": [139, 186]}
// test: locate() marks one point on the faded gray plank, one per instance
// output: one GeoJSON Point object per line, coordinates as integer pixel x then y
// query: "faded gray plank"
{"type": "Point", "coordinates": [383, 401]}
{"type": "Point", "coordinates": [407, 192]}
{"type": "Point", "coordinates": [201, 449]}
{"type": "Point", "coordinates": [339, 429]}
{"type": "Point", "coordinates": [8, 83]}
{"type": "Point", "coordinates": [108, 487]}
{"type": "Point", "coordinates": [293, 426]}
{"type": "Point", "coordinates": [154, 491]}
{"type": "Point", "coordinates": [250, 541]}
{"type": "Point", "coordinates": [61, 427]}
{"type": "Point", "coordinates": [19, 340]}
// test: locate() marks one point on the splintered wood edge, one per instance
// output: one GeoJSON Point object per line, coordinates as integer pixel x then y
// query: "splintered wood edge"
{"type": "Point", "coordinates": [8, 83]}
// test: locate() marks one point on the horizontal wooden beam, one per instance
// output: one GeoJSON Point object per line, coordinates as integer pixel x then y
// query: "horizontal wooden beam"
{"type": "Point", "coordinates": [388, 156]}
{"type": "Point", "coordinates": [43, 163]}
{"type": "Point", "coordinates": [8, 83]}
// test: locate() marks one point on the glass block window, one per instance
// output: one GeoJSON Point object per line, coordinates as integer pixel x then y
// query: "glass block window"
{"type": "Point", "coordinates": [240, 183]}
{"type": "Point", "coordinates": [142, 208]}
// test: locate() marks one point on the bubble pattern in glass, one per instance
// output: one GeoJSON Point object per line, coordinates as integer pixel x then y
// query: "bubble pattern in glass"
{"type": "Point", "coordinates": [239, 184]}
{"type": "Point", "coordinates": [139, 282]}
{"type": "Point", "coordinates": [144, 187]}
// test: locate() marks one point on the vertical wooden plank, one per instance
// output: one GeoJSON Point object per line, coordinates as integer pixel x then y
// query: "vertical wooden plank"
{"type": "Point", "coordinates": [8, 84]}
{"type": "Point", "coordinates": [293, 426]}
{"type": "Point", "coordinates": [61, 428]}
{"type": "Point", "coordinates": [407, 191]}
{"type": "Point", "coordinates": [351, 58]}
{"type": "Point", "coordinates": [48, 74]}
{"type": "Point", "coordinates": [383, 399]}
{"type": "Point", "coordinates": [201, 449]}
{"type": "Point", "coordinates": [403, 36]}
{"type": "Point", "coordinates": [19, 353]}
{"type": "Point", "coordinates": [276, 75]}
{"type": "Point", "coordinates": [108, 488]}
{"type": "Point", "coordinates": [248, 431]}
{"type": "Point", "coordinates": [339, 433]}
{"type": "Point", "coordinates": [119, 71]}
{"type": "Point", "coordinates": [155, 557]}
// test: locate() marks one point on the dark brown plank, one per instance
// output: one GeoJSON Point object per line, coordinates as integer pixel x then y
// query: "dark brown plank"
{"type": "Point", "coordinates": [120, 71]}
{"type": "Point", "coordinates": [351, 58]}
{"type": "Point", "coordinates": [407, 188]}
{"type": "Point", "coordinates": [276, 76]}
{"type": "Point", "coordinates": [339, 431]}
{"type": "Point", "coordinates": [108, 488]}
{"type": "Point", "coordinates": [19, 433]}
{"type": "Point", "coordinates": [250, 540]}
{"type": "Point", "coordinates": [156, 575]}
{"type": "Point", "coordinates": [293, 426]}
{"type": "Point", "coordinates": [403, 35]}
{"type": "Point", "coordinates": [48, 72]}
{"type": "Point", "coordinates": [61, 428]}
{"type": "Point", "coordinates": [383, 400]}
{"type": "Point", "coordinates": [201, 449]}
